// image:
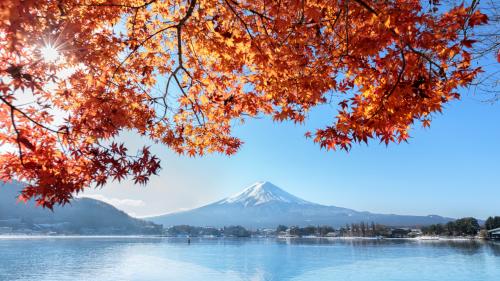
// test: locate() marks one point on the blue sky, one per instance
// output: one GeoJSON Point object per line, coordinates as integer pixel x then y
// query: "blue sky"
{"type": "Point", "coordinates": [450, 169]}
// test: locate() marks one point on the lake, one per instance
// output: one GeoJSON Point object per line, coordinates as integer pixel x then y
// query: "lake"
{"type": "Point", "coordinates": [246, 259]}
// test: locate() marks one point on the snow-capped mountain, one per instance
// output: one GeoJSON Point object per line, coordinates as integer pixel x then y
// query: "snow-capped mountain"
{"type": "Point", "coordinates": [265, 205]}
{"type": "Point", "coordinates": [261, 193]}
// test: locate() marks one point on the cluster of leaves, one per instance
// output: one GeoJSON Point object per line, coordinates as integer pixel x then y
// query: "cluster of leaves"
{"type": "Point", "coordinates": [386, 64]}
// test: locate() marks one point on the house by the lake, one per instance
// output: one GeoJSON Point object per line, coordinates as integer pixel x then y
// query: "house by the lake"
{"type": "Point", "coordinates": [494, 233]}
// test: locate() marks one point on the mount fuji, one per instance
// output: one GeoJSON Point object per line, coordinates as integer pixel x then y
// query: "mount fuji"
{"type": "Point", "coordinates": [265, 205]}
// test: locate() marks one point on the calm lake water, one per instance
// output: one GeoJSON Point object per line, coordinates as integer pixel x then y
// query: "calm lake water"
{"type": "Point", "coordinates": [246, 259]}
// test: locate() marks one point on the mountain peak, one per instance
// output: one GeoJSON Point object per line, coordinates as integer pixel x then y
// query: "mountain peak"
{"type": "Point", "coordinates": [263, 204]}
{"type": "Point", "coordinates": [262, 192]}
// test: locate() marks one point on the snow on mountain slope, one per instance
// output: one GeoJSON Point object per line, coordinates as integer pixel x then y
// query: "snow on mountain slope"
{"type": "Point", "coordinates": [261, 193]}
{"type": "Point", "coordinates": [265, 205]}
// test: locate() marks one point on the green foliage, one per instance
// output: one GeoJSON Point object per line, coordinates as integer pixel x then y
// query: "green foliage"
{"type": "Point", "coordinates": [236, 231]}
{"type": "Point", "coordinates": [183, 230]}
{"type": "Point", "coordinates": [464, 226]}
{"type": "Point", "coordinates": [467, 226]}
{"type": "Point", "coordinates": [435, 229]}
{"type": "Point", "coordinates": [324, 230]}
{"type": "Point", "coordinates": [460, 227]}
{"type": "Point", "coordinates": [308, 230]}
{"type": "Point", "coordinates": [492, 222]}
{"type": "Point", "coordinates": [363, 229]}
{"type": "Point", "coordinates": [281, 228]}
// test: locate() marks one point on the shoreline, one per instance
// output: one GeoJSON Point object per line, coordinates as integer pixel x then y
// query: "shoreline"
{"type": "Point", "coordinates": [27, 237]}
{"type": "Point", "coordinates": [394, 239]}
{"type": "Point", "coordinates": [416, 239]}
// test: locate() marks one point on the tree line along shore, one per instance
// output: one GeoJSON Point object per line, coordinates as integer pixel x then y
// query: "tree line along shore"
{"type": "Point", "coordinates": [461, 228]}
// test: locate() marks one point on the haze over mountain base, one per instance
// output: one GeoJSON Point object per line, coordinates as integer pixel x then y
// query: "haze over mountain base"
{"type": "Point", "coordinates": [83, 216]}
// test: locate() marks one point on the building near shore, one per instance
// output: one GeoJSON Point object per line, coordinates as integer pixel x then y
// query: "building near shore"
{"type": "Point", "coordinates": [494, 233]}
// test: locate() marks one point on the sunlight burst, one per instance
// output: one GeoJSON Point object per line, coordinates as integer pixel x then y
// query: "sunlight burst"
{"type": "Point", "coordinates": [49, 53]}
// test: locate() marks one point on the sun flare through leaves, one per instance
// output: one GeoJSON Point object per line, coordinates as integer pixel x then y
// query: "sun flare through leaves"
{"type": "Point", "coordinates": [181, 73]}
{"type": "Point", "coordinates": [49, 53]}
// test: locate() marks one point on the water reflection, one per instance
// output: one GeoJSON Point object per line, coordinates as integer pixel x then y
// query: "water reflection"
{"type": "Point", "coordinates": [247, 259]}
{"type": "Point", "coordinates": [494, 247]}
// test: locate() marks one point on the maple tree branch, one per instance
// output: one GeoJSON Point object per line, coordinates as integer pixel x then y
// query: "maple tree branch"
{"type": "Point", "coordinates": [393, 88]}
{"type": "Point", "coordinates": [195, 109]}
{"type": "Point", "coordinates": [120, 5]}
{"type": "Point", "coordinates": [189, 12]}
{"type": "Point", "coordinates": [245, 25]}
{"type": "Point", "coordinates": [13, 107]}
{"type": "Point", "coordinates": [261, 15]}
{"type": "Point", "coordinates": [107, 149]}
{"type": "Point", "coordinates": [368, 7]}
{"type": "Point", "coordinates": [178, 26]}
{"type": "Point", "coordinates": [394, 33]}
{"type": "Point", "coordinates": [400, 74]}
{"type": "Point", "coordinates": [347, 28]}
{"type": "Point", "coordinates": [13, 120]}
{"type": "Point", "coordinates": [136, 48]}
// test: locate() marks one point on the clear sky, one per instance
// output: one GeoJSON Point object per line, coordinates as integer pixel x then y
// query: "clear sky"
{"type": "Point", "coordinates": [451, 169]}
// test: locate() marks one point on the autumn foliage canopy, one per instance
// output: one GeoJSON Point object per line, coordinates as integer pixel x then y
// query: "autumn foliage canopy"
{"type": "Point", "coordinates": [74, 74]}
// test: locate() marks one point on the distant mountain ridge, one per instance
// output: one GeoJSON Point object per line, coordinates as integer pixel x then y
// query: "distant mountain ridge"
{"type": "Point", "coordinates": [263, 204]}
{"type": "Point", "coordinates": [82, 216]}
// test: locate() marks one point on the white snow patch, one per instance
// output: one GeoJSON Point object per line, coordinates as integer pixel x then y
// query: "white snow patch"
{"type": "Point", "coordinates": [260, 193]}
